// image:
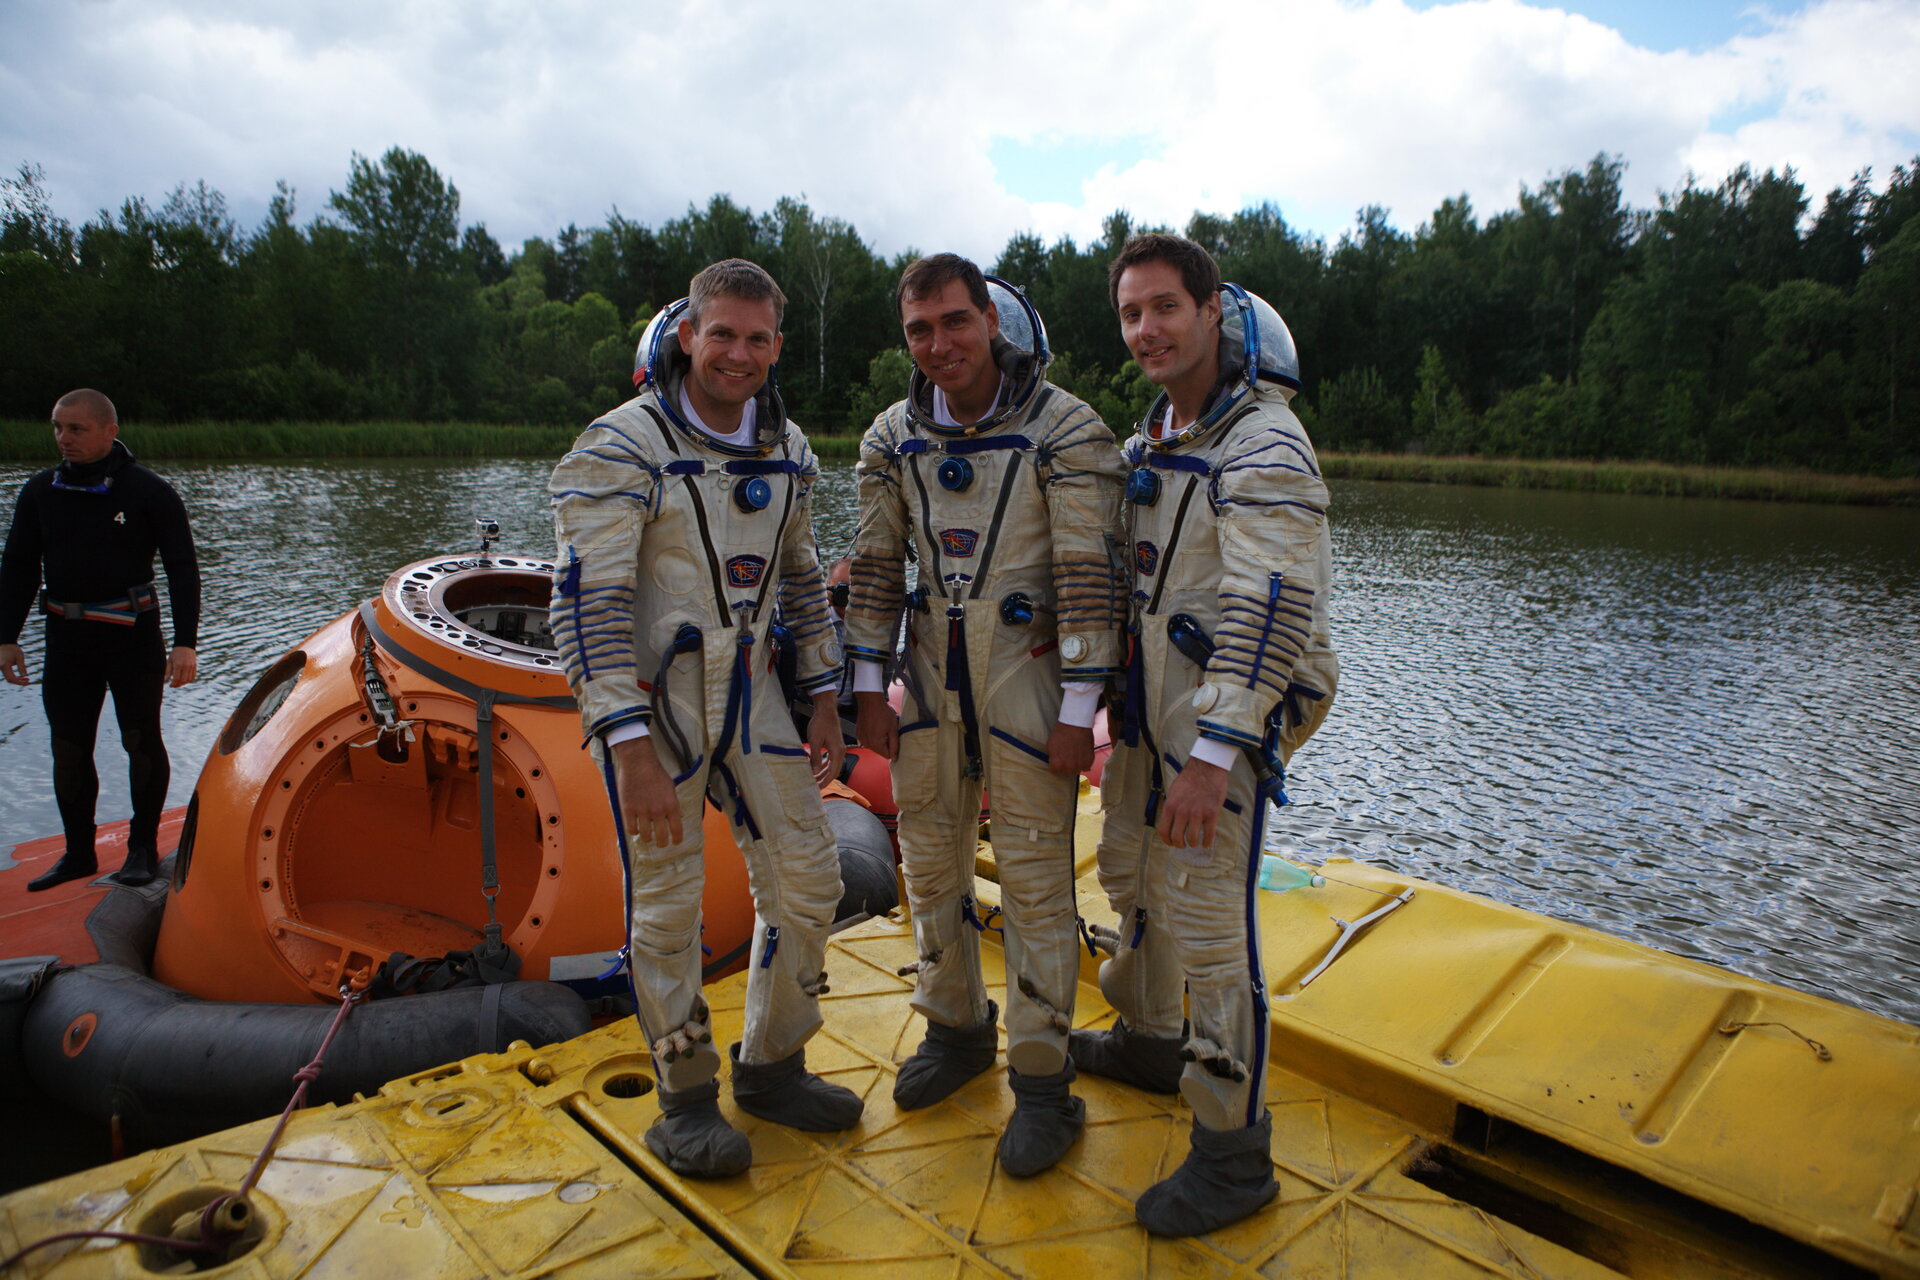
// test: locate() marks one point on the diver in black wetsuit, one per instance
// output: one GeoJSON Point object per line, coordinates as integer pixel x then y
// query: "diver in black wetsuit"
{"type": "Point", "coordinates": [94, 523]}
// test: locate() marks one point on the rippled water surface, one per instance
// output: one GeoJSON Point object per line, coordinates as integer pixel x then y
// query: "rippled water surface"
{"type": "Point", "coordinates": [1686, 722]}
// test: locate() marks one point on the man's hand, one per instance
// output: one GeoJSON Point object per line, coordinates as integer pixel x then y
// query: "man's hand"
{"type": "Point", "coordinates": [877, 725]}
{"type": "Point", "coordinates": [1191, 810]}
{"type": "Point", "coordinates": [1070, 749]}
{"type": "Point", "coordinates": [648, 806]}
{"type": "Point", "coordinates": [826, 745]}
{"type": "Point", "coordinates": [13, 663]}
{"type": "Point", "coordinates": [182, 665]}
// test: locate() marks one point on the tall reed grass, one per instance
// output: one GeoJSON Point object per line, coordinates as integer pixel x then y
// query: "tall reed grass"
{"type": "Point", "coordinates": [222, 441]}
{"type": "Point", "coordinates": [1657, 479]}
{"type": "Point", "coordinates": [24, 441]}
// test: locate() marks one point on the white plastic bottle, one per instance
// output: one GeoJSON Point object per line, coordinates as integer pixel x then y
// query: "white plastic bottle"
{"type": "Point", "coordinates": [1277, 875]}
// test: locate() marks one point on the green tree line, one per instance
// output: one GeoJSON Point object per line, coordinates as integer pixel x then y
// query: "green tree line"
{"type": "Point", "coordinates": [1724, 327]}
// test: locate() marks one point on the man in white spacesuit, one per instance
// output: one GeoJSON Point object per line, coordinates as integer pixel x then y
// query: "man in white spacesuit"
{"type": "Point", "coordinates": [1229, 669]}
{"type": "Point", "coordinates": [683, 519]}
{"type": "Point", "coordinates": [1004, 490]}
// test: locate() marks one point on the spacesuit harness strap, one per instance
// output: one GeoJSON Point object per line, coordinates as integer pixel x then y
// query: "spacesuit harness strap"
{"type": "Point", "coordinates": [977, 444]}
{"type": "Point", "coordinates": [1179, 462]}
{"type": "Point", "coordinates": [736, 722]}
{"type": "Point", "coordinates": [734, 467]}
{"type": "Point", "coordinates": [956, 474]}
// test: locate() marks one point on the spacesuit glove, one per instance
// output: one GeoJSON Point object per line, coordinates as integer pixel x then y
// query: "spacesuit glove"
{"type": "Point", "coordinates": [680, 1042]}
{"type": "Point", "coordinates": [1105, 937]}
{"type": "Point", "coordinates": [1056, 1019]}
{"type": "Point", "coordinates": [1215, 1059]}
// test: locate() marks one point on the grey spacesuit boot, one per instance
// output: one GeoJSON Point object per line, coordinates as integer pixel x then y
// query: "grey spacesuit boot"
{"type": "Point", "coordinates": [785, 1092]}
{"type": "Point", "coordinates": [694, 1139]}
{"type": "Point", "coordinates": [1046, 1120]}
{"type": "Point", "coordinates": [1225, 1177]}
{"type": "Point", "coordinates": [945, 1060]}
{"type": "Point", "coordinates": [1151, 1063]}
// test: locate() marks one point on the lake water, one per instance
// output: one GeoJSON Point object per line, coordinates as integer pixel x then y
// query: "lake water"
{"type": "Point", "coordinates": [1689, 723]}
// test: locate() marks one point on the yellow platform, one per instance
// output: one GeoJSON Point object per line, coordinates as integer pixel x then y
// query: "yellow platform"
{"type": "Point", "coordinates": [1468, 1090]}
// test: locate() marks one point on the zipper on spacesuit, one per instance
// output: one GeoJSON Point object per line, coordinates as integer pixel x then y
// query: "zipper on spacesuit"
{"type": "Point", "coordinates": [773, 945]}
{"type": "Point", "coordinates": [1139, 928]}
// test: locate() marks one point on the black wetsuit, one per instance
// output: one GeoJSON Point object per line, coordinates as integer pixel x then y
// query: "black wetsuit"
{"type": "Point", "coordinates": [93, 530]}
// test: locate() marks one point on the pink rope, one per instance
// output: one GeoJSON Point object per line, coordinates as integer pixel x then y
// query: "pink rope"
{"type": "Point", "coordinates": [210, 1240]}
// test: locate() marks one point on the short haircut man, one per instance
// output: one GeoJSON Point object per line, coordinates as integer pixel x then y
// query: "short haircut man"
{"type": "Point", "coordinates": [703, 469]}
{"type": "Point", "coordinates": [93, 525]}
{"type": "Point", "coordinates": [1003, 488]}
{"type": "Point", "coordinates": [1198, 271]}
{"type": "Point", "coordinates": [734, 278]}
{"type": "Point", "coordinates": [926, 277]}
{"type": "Point", "coordinates": [1232, 668]}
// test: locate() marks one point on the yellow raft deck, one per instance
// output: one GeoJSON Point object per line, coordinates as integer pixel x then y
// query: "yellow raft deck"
{"type": "Point", "coordinates": [1468, 1090]}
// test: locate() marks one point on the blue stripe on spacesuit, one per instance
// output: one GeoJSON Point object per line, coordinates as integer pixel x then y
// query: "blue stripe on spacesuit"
{"type": "Point", "coordinates": [1257, 1063]}
{"type": "Point", "coordinates": [641, 498]}
{"type": "Point", "coordinates": [1265, 466]}
{"type": "Point", "coordinates": [612, 452]}
{"type": "Point", "coordinates": [827, 680]}
{"type": "Point", "coordinates": [1284, 502]}
{"type": "Point", "coordinates": [632, 449]}
{"type": "Point", "coordinates": [1283, 442]}
{"type": "Point", "coordinates": [1179, 462]}
{"type": "Point", "coordinates": [984, 444]}
{"type": "Point", "coordinates": [1227, 734]}
{"type": "Point", "coordinates": [1008, 738]}
{"type": "Point", "coordinates": [626, 894]}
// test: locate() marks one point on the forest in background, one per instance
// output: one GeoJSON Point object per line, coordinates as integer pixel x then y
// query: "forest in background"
{"type": "Point", "coordinates": [1725, 327]}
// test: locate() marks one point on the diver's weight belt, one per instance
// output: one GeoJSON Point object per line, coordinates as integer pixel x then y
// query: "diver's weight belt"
{"type": "Point", "coordinates": [138, 600]}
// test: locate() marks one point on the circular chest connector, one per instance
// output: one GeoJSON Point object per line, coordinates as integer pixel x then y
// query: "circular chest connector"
{"type": "Point", "coordinates": [754, 494]}
{"type": "Point", "coordinates": [955, 475]}
{"type": "Point", "coordinates": [1143, 487]}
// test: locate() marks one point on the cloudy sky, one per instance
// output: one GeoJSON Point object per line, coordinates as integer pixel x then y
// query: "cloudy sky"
{"type": "Point", "coordinates": [949, 126]}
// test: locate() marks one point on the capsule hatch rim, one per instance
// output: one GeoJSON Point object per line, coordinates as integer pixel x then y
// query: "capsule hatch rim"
{"type": "Point", "coordinates": [417, 599]}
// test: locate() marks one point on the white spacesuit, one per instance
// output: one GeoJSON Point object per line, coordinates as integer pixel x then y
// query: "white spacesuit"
{"type": "Point", "coordinates": [1229, 645]}
{"type": "Point", "coordinates": [1009, 522]}
{"type": "Point", "coordinates": [675, 547]}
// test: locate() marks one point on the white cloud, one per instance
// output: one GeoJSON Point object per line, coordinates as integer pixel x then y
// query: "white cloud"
{"type": "Point", "coordinates": [550, 113]}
